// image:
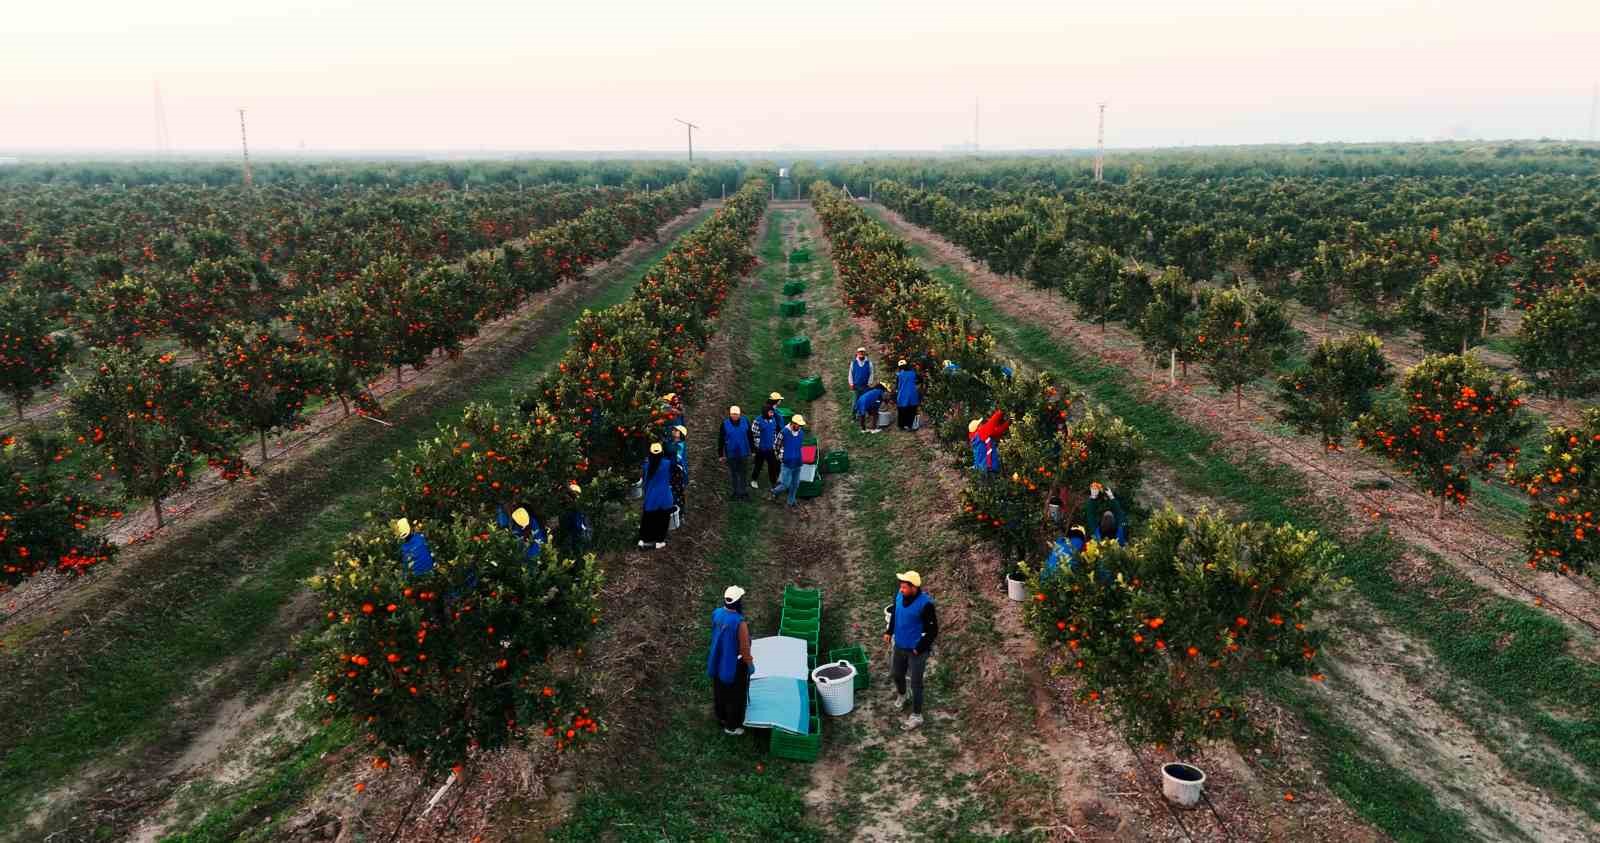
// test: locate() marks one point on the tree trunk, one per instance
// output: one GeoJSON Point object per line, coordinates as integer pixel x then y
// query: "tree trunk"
{"type": "Point", "coordinates": [1440, 514]}
{"type": "Point", "coordinates": [160, 521]}
{"type": "Point", "coordinates": [1172, 369]}
{"type": "Point", "coordinates": [346, 403]}
{"type": "Point", "coordinates": [263, 436]}
{"type": "Point", "coordinates": [17, 402]}
{"type": "Point", "coordinates": [1238, 397]}
{"type": "Point", "coordinates": [399, 378]}
{"type": "Point", "coordinates": [1464, 345]}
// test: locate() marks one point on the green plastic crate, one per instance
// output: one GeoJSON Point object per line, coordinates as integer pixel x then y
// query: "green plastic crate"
{"type": "Point", "coordinates": [802, 613]}
{"type": "Point", "coordinates": [794, 288]}
{"type": "Point", "coordinates": [800, 256]}
{"type": "Point", "coordinates": [836, 462]}
{"type": "Point", "coordinates": [798, 747]}
{"type": "Point", "coordinates": [799, 629]}
{"type": "Point", "coordinates": [810, 490]}
{"type": "Point", "coordinates": [792, 308]}
{"type": "Point", "coordinates": [783, 415]}
{"type": "Point", "coordinates": [795, 348]}
{"type": "Point", "coordinates": [801, 598]}
{"type": "Point", "coordinates": [856, 655]}
{"type": "Point", "coordinates": [810, 389]}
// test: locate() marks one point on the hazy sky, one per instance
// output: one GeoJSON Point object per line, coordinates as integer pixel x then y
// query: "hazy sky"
{"type": "Point", "coordinates": [611, 75]}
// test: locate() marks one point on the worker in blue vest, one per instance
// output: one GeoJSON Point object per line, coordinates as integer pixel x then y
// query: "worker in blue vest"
{"type": "Point", "coordinates": [765, 434]}
{"type": "Point", "coordinates": [733, 448]}
{"type": "Point", "coordinates": [729, 663]}
{"type": "Point", "coordinates": [860, 372]}
{"type": "Point", "coordinates": [792, 440]}
{"type": "Point", "coordinates": [413, 548]}
{"type": "Point", "coordinates": [657, 481]}
{"type": "Point", "coordinates": [678, 451]}
{"type": "Point", "coordinates": [866, 408]}
{"type": "Point", "coordinates": [985, 450]}
{"type": "Point", "coordinates": [913, 626]}
{"type": "Point", "coordinates": [907, 396]}
{"type": "Point", "coordinates": [574, 533]}
{"type": "Point", "coordinates": [1065, 550]}
{"type": "Point", "coordinates": [525, 525]}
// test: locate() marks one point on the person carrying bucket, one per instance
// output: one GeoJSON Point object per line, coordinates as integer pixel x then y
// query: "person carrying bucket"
{"type": "Point", "coordinates": [860, 372]}
{"type": "Point", "coordinates": [913, 626]}
{"type": "Point", "coordinates": [793, 441]}
{"type": "Point", "coordinates": [733, 448]}
{"type": "Point", "coordinates": [907, 396]}
{"type": "Point", "coordinates": [728, 662]}
{"type": "Point", "coordinates": [866, 408]}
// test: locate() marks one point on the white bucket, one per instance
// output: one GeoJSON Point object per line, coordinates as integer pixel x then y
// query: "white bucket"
{"type": "Point", "coordinates": [1055, 512]}
{"type": "Point", "coordinates": [837, 695]}
{"type": "Point", "coordinates": [885, 418]}
{"type": "Point", "coordinates": [638, 490]}
{"type": "Point", "coordinates": [677, 518]}
{"type": "Point", "coordinates": [888, 614]}
{"type": "Point", "coordinates": [1016, 587]}
{"type": "Point", "coordinates": [1181, 783]}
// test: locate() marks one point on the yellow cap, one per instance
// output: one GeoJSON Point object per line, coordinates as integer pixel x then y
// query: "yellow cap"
{"type": "Point", "coordinates": [402, 528]}
{"type": "Point", "coordinates": [861, 350]}
{"type": "Point", "coordinates": [734, 410]}
{"type": "Point", "coordinates": [520, 517]}
{"type": "Point", "coordinates": [911, 577]}
{"type": "Point", "coordinates": [972, 426]}
{"type": "Point", "coordinates": [775, 397]}
{"type": "Point", "coordinates": [575, 489]}
{"type": "Point", "coordinates": [799, 420]}
{"type": "Point", "coordinates": [669, 396]}
{"type": "Point", "coordinates": [655, 447]}
{"type": "Point", "coordinates": [681, 429]}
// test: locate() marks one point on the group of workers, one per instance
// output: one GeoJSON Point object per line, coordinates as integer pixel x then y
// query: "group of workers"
{"type": "Point", "coordinates": [870, 394]}
{"type": "Point", "coordinates": [910, 629]}
{"type": "Point", "coordinates": [574, 531]}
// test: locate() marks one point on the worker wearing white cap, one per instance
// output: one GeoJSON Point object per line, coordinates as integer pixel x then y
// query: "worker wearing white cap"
{"type": "Point", "coordinates": [728, 662]}
{"type": "Point", "coordinates": [860, 372]}
{"type": "Point", "coordinates": [793, 441]}
{"type": "Point", "coordinates": [733, 448]}
{"type": "Point", "coordinates": [912, 627]}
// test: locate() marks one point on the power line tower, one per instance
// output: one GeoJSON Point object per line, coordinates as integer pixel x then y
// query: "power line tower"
{"type": "Point", "coordinates": [244, 144]}
{"type": "Point", "coordinates": [163, 137]}
{"type": "Point", "coordinates": [1100, 146]}
{"type": "Point", "coordinates": [691, 128]}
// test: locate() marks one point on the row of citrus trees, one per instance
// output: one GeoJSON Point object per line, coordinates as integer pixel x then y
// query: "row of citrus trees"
{"type": "Point", "coordinates": [432, 666]}
{"type": "Point", "coordinates": [1167, 630]}
{"type": "Point", "coordinates": [147, 420]}
{"type": "Point", "coordinates": [1454, 419]}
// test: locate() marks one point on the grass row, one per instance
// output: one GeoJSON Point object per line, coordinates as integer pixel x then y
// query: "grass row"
{"type": "Point", "coordinates": [232, 578]}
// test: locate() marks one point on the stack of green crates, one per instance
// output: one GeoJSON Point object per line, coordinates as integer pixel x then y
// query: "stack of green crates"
{"type": "Point", "coordinates": [794, 288]}
{"type": "Point", "coordinates": [802, 618]}
{"type": "Point", "coordinates": [797, 307]}
{"type": "Point", "coordinates": [856, 655]}
{"type": "Point", "coordinates": [836, 462]}
{"type": "Point", "coordinates": [794, 348]}
{"type": "Point", "coordinates": [810, 389]}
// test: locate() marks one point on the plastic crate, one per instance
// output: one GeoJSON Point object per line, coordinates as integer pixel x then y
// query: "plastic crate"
{"type": "Point", "coordinates": [856, 655]}
{"type": "Point", "coordinates": [800, 255]}
{"type": "Point", "coordinates": [810, 490]}
{"type": "Point", "coordinates": [801, 598]}
{"type": "Point", "coordinates": [800, 629]}
{"type": "Point", "coordinates": [793, 616]}
{"type": "Point", "coordinates": [796, 307]}
{"type": "Point", "coordinates": [799, 747]}
{"type": "Point", "coordinates": [783, 414]}
{"type": "Point", "coordinates": [796, 348]}
{"type": "Point", "coordinates": [810, 389]}
{"type": "Point", "coordinates": [794, 288]}
{"type": "Point", "coordinates": [836, 462]}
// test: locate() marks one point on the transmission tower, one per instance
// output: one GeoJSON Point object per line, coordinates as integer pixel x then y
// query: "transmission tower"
{"type": "Point", "coordinates": [691, 128]}
{"type": "Point", "coordinates": [1100, 147]}
{"type": "Point", "coordinates": [163, 137]}
{"type": "Point", "coordinates": [244, 144]}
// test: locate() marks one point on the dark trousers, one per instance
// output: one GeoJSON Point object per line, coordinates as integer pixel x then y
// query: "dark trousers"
{"type": "Point", "coordinates": [653, 525]}
{"type": "Point", "coordinates": [736, 477]}
{"type": "Point", "coordinates": [769, 460]}
{"type": "Point", "coordinates": [728, 699]}
{"type": "Point", "coordinates": [908, 662]}
{"type": "Point", "coordinates": [869, 419]}
{"type": "Point", "coordinates": [908, 415]}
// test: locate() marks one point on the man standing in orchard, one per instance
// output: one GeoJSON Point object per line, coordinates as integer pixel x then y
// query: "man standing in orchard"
{"type": "Point", "coordinates": [860, 372]}
{"type": "Point", "coordinates": [733, 448]}
{"type": "Point", "coordinates": [913, 626]}
{"type": "Point", "coordinates": [793, 441]}
{"type": "Point", "coordinates": [729, 663]}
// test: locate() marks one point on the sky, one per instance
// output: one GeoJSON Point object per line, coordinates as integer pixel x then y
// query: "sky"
{"type": "Point", "coordinates": [471, 75]}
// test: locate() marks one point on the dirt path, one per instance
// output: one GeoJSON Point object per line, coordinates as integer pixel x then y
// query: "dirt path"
{"type": "Point", "coordinates": [210, 497]}
{"type": "Point", "coordinates": [1373, 671]}
{"type": "Point", "coordinates": [1361, 482]}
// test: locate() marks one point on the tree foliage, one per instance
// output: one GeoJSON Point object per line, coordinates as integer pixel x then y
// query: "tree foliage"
{"type": "Point", "coordinates": [1334, 387]}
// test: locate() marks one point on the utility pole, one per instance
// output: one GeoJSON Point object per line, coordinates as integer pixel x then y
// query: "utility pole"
{"type": "Point", "coordinates": [691, 128]}
{"type": "Point", "coordinates": [244, 144]}
{"type": "Point", "coordinates": [163, 137]}
{"type": "Point", "coordinates": [975, 103]}
{"type": "Point", "coordinates": [1100, 146]}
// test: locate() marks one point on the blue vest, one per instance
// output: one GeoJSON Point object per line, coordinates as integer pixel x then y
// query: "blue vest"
{"type": "Point", "coordinates": [414, 550]}
{"type": "Point", "coordinates": [793, 441]}
{"type": "Point", "coordinates": [868, 402]}
{"type": "Point", "coordinates": [767, 433]}
{"type": "Point", "coordinates": [980, 454]}
{"type": "Point", "coordinates": [908, 620]}
{"type": "Point", "coordinates": [860, 373]}
{"type": "Point", "coordinates": [906, 394]}
{"type": "Point", "coordinates": [722, 662]}
{"type": "Point", "coordinates": [1064, 550]}
{"type": "Point", "coordinates": [658, 486]}
{"type": "Point", "coordinates": [736, 439]}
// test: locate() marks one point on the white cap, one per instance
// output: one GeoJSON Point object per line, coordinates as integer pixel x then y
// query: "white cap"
{"type": "Point", "coordinates": [733, 594]}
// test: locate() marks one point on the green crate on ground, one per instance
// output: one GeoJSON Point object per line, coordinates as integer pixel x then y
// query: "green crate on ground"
{"type": "Point", "coordinates": [800, 598]}
{"type": "Point", "coordinates": [810, 389]}
{"type": "Point", "coordinates": [856, 655]}
{"type": "Point", "coordinates": [792, 308]}
{"type": "Point", "coordinates": [810, 614]}
{"type": "Point", "coordinates": [794, 288]}
{"type": "Point", "coordinates": [811, 489]}
{"type": "Point", "coordinates": [796, 348]}
{"type": "Point", "coordinates": [800, 255]}
{"type": "Point", "coordinates": [800, 629]}
{"type": "Point", "coordinates": [799, 747]}
{"type": "Point", "coordinates": [836, 462]}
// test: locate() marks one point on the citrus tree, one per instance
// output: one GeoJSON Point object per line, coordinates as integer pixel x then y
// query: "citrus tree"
{"type": "Point", "coordinates": [1170, 630]}
{"type": "Point", "coordinates": [258, 380]}
{"type": "Point", "coordinates": [1334, 387]}
{"type": "Point", "coordinates": [1457, 417]}
{"type": "Point", "coordinates": [1558, 342]}
{"type": "Point", "coordinates": [333, 322]}
{"type": "Point", "coordinates": [44, 519]}
{"type": "Point", "coordinates": [31, 355]}
{"type": "Point", "coordinates": [1167, 324]}
{"type": "Point", "coordinates": [1238, 336]}
{"type": "Point", "coordinates": [1451, 307]}
{"type": "Point", "coordinates": [1560, 532]}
